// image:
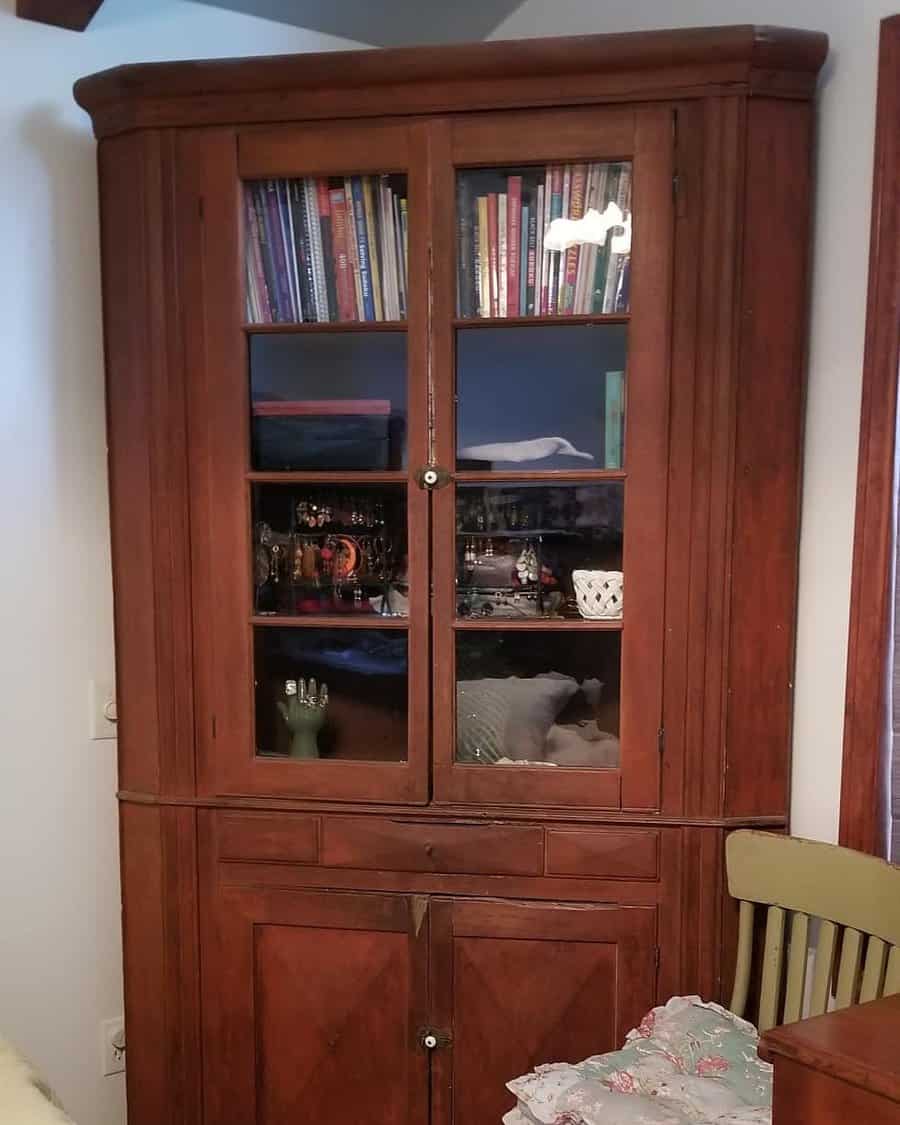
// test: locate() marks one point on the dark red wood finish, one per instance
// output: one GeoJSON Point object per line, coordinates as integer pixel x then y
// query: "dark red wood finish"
{"type": "Point", "coordinates": [840, 1067]}
{"type": "Point", "coordinates": [339, 909]}
{"type": "Point", "coordinates": [864, 788]}
{"type": "Point", "coordinates": [516, 984]}
{"type": "Point", "coordinates": [74, 15]}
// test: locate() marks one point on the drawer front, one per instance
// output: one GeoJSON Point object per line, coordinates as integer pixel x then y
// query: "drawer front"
{"type": "Point", "coordinates": [465, 849]}
{"type": "Point", "coordinates": [268, 837]}
{"type": "Point", "coordinates": [603, 853]}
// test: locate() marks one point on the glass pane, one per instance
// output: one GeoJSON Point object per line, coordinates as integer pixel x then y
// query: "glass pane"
{"type": "Point", "coordinates": [330, 550]}
{"type": "Point", "coordinates": [513, 260]}
{"type": "Point", "coordinates": [518, 407]}
{"type": "Point", "coordinates": [328, 401]}
{"type": "Point", "coordinates": [326, 249]}
{"type": "Point", "coordinates": [334, 694]}
{"type": "Point", "coordinates": [539, 550]}
{"type": "Point", "coordinates": [538, 698]}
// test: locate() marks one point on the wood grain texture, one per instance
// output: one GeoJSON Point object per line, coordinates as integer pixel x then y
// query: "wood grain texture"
{"type": "Point", "coordinates": [146, 424]}
{"type": "Point", "coordinates": [161, 964]}
{"type": "Point", "coordinates": [864, 789]}
{"type": "Point", "coordinates": [503, 1018]}
{"type": "Point", "coordinates": [839, 1067]}
{"type": "Point", "coordinates": [611, 855]}
{"type": "Point", "coordinates": [440, 79]}
{"type": "Point", "coordinates": [767, 457]}
{"type": "Point", "coordinates": [74, 15]}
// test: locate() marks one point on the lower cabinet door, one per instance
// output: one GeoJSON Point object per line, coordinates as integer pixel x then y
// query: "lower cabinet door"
{"type": "Point", "coordinates": [516, 984]}
{"type": "Point", "coordinates": [314, 1003]}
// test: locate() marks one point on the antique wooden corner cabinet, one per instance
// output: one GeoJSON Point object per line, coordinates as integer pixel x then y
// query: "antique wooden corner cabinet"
{"type": "Point", "coordinates": [522, 493]}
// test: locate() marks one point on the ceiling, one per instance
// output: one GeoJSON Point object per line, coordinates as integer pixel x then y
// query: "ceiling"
{"type": "Point", "coordinates": [388, 23]}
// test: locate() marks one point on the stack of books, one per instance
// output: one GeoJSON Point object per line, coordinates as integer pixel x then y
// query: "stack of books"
{"type": "Point", "coordinates": [503, 268]}
{"type": "Point", "coordinates": [326, 249]}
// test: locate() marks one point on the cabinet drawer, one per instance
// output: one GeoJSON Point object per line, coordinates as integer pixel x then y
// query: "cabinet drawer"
{"type": "Point", "coordinates": [602, 853]}
{"type": "Point", "coordinates": [489, 849]}
{"type": "Point", "coordinates": [268, 838]}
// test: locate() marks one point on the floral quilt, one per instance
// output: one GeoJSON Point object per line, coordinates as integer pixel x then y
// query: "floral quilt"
{"type": "Point", "coordinates": [688, 1063]}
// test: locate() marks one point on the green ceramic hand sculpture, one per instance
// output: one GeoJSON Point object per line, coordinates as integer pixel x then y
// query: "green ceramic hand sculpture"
{"type": "Point", "coordinates": [304, 715]}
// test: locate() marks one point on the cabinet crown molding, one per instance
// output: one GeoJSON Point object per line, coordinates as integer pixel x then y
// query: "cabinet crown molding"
{"type": "Point", "coordinates": [409, 80]}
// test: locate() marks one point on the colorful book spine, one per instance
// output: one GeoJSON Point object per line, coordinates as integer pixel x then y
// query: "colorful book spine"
{"type": "Point", "coordinates": [263, 310]}
{"type": "Point", "coordinates": [576, 211]}
{"type": "Point", "coordinates": [556, 212]}
{"type": "Point", "coordinates": [502, 254]}
{"type": "Point", "coordinates": [493, 254]}
{"type": "Point", "coordinates": [259, 206]}
{"type": "Point", "coordinates": [540, 225]}
{"type": "Point", "coordinates": [303, 246]}
{"type": "Point", "coordinates": [353, 250]}
{"type": "Point", "coordinates": [561, 256]}
{"type": "Point", "coordinates": [327, 237]}
{"type": "Point", "coordinates": [373, 243]}
{"type": "Point", "coordinates": [484, 252]}
{"type": "Point", "coordinates": [343, 275]}
{"type": "Point", "coordinates": [523, 257]}
{"type": "Point", "coordinates": [290, 248]}
{"type": "Point", "coordinates": [614, 417]}
{"type": "Point", "coordinates": [545, 254]}
{"type": "Point", "coordinates": [389, 252]}
{"type": "Point", "coordinates": [513, 244]}
{"type": "Point", "coordinates": [362, 249]}
{"type": "Point", "coordinates": [276, 242]}
{"type": "Point", "coordinates": [465, 247]}
{"type": "Point", "coordinates": [320, 288]}
{"type": "Point", "coordinates": [533, 254]}
{"type": "Point", "coordinates": [401, 260]}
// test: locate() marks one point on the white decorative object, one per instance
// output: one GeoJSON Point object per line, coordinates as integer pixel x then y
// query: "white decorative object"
{"type": "Point", "coordinates": [598, 593]}
{"type": "Point", "coordinates": [591, 227]}
{"type": "Point", "coordinates": [535, 449]}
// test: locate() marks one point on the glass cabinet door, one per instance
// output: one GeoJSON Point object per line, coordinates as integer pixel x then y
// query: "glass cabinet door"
{"type": "Point", "coordinates": [550, 340]}
{"type": "Point", "coordinates": [317, 606]}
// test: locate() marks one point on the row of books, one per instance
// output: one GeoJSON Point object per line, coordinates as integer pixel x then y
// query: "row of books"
{"type": "Point", "coordinates": [504, 269]}
{"type": "Point", "coordinates": [326, 249]}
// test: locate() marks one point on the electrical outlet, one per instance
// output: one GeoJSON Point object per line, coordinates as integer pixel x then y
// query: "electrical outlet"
{"type": "Point", "coordinates": [102, 714]}
{"type": "Point", "coordinates": [112, 1046]}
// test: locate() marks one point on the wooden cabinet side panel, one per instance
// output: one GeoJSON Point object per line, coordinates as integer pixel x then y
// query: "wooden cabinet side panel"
{"type": "Point", "coordinates": [148, 479]}
{"type": "Point", "coordinates": [768, 450]}
{"type": "Point", "coordinates": [161, 964]}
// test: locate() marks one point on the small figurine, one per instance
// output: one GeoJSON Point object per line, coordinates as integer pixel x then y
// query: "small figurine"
{"type": "Point", "coordinates": [304, 715]}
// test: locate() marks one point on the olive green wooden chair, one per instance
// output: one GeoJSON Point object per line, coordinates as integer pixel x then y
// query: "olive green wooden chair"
{"type": "Point", "coordinates": [854, 897]}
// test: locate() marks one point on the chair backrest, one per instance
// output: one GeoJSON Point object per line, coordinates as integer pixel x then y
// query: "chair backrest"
{"type": "Point", "coordinates": [855, 898]}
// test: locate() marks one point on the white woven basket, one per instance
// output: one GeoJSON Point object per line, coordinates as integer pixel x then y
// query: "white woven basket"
{"type": "Point", "coordinates": [598, 593]}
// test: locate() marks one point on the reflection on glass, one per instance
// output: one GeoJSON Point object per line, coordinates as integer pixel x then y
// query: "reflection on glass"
{"type": "Point", "coordinates": [326, 249]}
{"type": "Point", "coordinates": [547, 240]}
{"type": "Point", "coordinates": [331, 694]}
{"type": "Point", "coordinates": [541, 397]}
{"type": "Point", "coordinates": [330, 550]}
{"type": "Point", "coordinates": [328, 401]}
{"type": "Point", "coordinates": [538, 698]}
{"type": "Point", "coordinates": [522, 550]}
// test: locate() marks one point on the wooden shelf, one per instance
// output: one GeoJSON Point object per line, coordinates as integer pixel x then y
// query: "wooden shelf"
{"type": "Point", "coordinates": [537, 476]}
{"type": "Point", "coordinates": [539, 321]}
{"type": "Point", "coordinates": [363, 477]}
{"type": "Point", "coordinates": [537, 624]}
{"type": "Point", "coordinates": [331, 621]}
{"type": "Point", "coordinates": [327, 326]}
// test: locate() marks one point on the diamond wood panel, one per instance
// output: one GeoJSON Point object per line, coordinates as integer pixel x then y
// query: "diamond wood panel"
{"type": "Point", "coordinates": [520, 984]}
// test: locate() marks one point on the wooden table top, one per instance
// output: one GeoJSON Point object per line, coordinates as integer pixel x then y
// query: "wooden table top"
{"type": "Point", "coordinates": [859, 1045]}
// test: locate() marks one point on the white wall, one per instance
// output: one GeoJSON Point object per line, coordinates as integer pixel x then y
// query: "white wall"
{"type": "Point", "coordinates": [844, 186]}
{"type": "Point", "coordinates": [60, 954]}
{"type": "Point", "coordinates": [60, 959]}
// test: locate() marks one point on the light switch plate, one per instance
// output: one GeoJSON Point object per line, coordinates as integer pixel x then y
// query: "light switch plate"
{"type": "Point", "coordinates": [102, 714]}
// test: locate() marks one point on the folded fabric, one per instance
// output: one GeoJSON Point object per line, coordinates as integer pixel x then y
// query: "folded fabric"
{"type": "Point", "coordinates": [688, 1063]}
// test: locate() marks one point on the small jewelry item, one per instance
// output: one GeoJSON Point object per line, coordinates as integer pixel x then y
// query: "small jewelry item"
{"type": "Point", "coordinates": [276, 561]}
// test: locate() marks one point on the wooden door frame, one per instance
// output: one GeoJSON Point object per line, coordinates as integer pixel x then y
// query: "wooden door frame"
{"type": "Point", "coordinates": [864, 785]}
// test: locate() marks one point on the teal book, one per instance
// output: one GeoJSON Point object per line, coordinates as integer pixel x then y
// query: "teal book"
{"type": "Point", "coordinates": [614, 415]}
